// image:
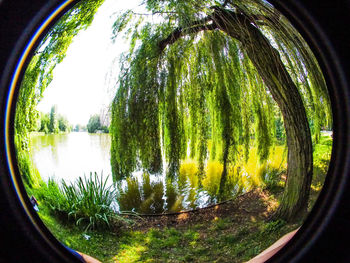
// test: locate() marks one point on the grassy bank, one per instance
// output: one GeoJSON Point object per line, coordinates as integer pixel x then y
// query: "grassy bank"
{"type": "Point", "coordinates": [232, 232]}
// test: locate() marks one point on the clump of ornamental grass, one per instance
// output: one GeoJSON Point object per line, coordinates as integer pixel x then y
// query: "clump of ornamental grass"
{"type": "Point", "coordinates": [89, 201]}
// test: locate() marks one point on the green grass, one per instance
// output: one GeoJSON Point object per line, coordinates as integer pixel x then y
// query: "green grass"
{"type": "Point", "coordinates": [322, 154]}
{"type": "Point", "coordinates": [101, 244]}
{"type": "Point", "coordinates": [199, 244]}
{"type": "Point", "coordinates": [219, 240]}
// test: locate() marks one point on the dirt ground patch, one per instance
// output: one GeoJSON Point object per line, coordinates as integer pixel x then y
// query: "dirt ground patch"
{"type": "Point", "coordinates": [254, 205]}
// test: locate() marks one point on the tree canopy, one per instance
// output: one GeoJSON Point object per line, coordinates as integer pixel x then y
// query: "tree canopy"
{"type": "Point", "coordinates": [208, 79]}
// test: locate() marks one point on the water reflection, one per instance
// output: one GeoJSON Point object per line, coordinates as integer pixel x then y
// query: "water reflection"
{"type": "Point", "coordinates": [145, 193]}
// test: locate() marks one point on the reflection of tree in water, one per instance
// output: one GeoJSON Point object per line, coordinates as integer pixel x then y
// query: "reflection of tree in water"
{"type": "Point", "coordinates": [190, 189]}
{"type": "Point", "coordinates": [51, 142]}
{"type": "Point", "coordinates": [176, 194]}
{"type": "Point", "coordinates": [173, 199]}
{"type": "Point", "coordinates": [152, 195]}
{"type": "Point", "coordinates": [104, 142]}
{"type": "Point", "coordinates": [143, 197]}
{"type": "Point", "coordinates": [60, 140]}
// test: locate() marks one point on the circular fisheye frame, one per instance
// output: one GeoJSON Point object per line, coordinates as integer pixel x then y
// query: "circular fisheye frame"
{"type": "Point", "coordinates": [24, 238]}
{"type": "Point", "coordinates": [321, 236]}
{"type": "Point", "coordinates": [324, 234]}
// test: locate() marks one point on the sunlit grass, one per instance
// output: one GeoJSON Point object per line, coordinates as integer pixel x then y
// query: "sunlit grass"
{"type": "Point", "coordinates": [322, 155]}
{"type": "Point", "coordinates": [130, 253]}
{"type": "Point", "coordinates": [217, 240]}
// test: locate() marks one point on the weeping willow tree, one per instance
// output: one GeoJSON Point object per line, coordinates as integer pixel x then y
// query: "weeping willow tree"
{"type": "Point", "coordinates": [39, 73]}
{"type": "Point", "coordinates": [219, 74]}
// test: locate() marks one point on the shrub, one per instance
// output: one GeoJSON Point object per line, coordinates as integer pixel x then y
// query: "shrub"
{"type": "Point", "coordinates": [94, 124]}
{"type": "Point", "coordinates": [272, 181]}
{"type": "Point", "coordinates": [50, 194]}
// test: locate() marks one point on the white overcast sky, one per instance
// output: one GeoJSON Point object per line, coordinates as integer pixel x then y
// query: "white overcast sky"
{"type": "Point", "coordinates": [80, 82]}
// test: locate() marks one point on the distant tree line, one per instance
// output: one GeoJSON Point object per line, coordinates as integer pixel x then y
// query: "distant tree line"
{"type": "Point", "coordinates": [53, 122]}
{"type": "Point", "coordinates": [79, 128]}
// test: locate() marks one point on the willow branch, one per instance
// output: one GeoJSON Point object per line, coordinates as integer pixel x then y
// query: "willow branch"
{"type": "Point", "coordinates": [199, 22]}
{"type": "Point", "coordinates": [218, 17]}
{"type": "Point", "coordinates": [180, 32]}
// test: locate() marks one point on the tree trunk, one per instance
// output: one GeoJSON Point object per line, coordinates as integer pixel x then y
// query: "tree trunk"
{"type": "Point", "coordinates": [271, 69]}
{"type": "Point", "coordinates": [223, 178]}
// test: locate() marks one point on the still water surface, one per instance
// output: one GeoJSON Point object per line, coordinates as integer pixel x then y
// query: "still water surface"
{"type": "Point", "coordinates": [69, 156]}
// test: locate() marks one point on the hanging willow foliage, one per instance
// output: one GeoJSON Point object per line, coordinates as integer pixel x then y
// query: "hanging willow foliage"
{"type": "Point", "coordinates": [298, 57]}
{"type": "Point", "coordinates": [135, 110]}
{"type": "Point", "coordinates": [185, 85]}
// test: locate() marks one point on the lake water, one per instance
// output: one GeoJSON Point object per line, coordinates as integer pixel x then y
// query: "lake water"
{"type": "Point", "coordinates": [68, 156]}
{"type": "Point", "coordinates": [73, 155]}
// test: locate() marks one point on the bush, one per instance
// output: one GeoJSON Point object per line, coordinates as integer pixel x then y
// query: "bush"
{"type": "Point", "coordinates": [272, 181]}
{"type": "Point", "coordinates": [50, 194]}
{"type": "Point", "coordinates": [105, 129]}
